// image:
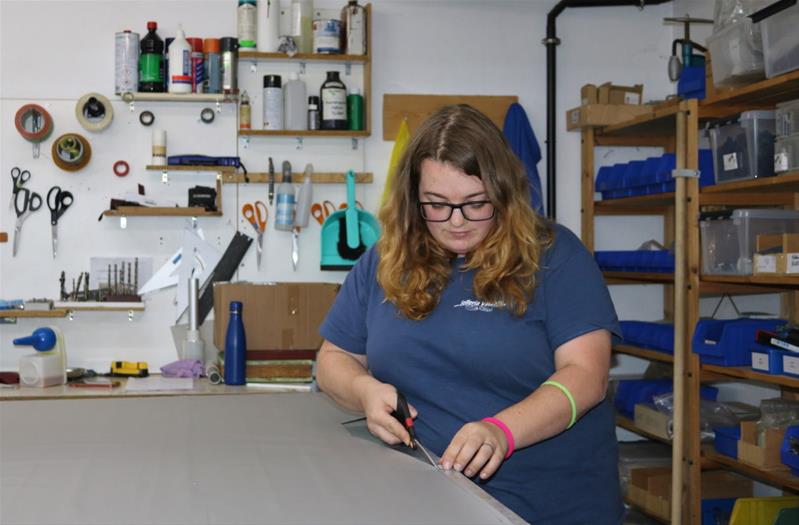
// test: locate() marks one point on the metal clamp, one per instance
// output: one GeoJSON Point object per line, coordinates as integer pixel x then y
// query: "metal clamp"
{"type": "Point", "coordinates": [164, 176]}
{"type": "Point", "coordinates": [299, 143]}
{"type": "Point", "coordinates": [347, 69]}
{"type": "Point", "coordinates": [123, 222]}
{"type": "Point", "coordinates": [354, 144]}
{"type": "Point", "coordinates": [302, 68]}
{"type": "Point", "coordinates": [130, 315]}
{"type": "Point", "coordinates": [692, 174]}
{"type": "Point", "coordinates": [245, 141]}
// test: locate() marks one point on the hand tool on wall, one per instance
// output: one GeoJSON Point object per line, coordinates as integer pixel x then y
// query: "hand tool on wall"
{"type": "Point", "coordinates": [25, 203]}
{"type": "Point", "coordinates": [271, 181]}
{"type": "Point", "coordinates": [403, 415]}
{"type": "Point", "coordinates": [18, 179]}
{"type": "Point", "coordinates": [302, 216]}
{"type": "Point", "coordinates": [257, 215]}
{"type": "Point", "coordinates": [58, 201]}
{"type": "Point", "coordinates": [322, 210]}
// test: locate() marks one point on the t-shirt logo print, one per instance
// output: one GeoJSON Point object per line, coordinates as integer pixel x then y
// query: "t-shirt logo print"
{"type": "Point", "coordinates": [478, 306]}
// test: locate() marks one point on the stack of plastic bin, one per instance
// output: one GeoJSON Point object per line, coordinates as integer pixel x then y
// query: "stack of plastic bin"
{"type": "Point", "coordinates": [743, 147]}
{"type": "Point", "coordinates": [781, 40]}
{"type": "Point", "coordinates": [786, 145]}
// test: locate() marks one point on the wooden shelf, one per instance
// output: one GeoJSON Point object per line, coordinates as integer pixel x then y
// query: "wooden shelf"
{"type": "Point", "coordinates": [297, 178]}
{"type": "Point", "coordinates": [644, 511]}
{"type": "Point", "coordinates": [638, 278]}
{"type": "Point", "coordinates": [302, 57]}
{"type": "Point", "coordinates": [787, 182]}
{"type": "Point", "coordinates": [744, 372]}
{"type": "Point", "coordinates": [143, 211]}
{"type": "Point", "coordinates": [778, 478]}
{"type": "Point", "coordinates": [660, 122]}
{"type": "Point", "coordinates": [175, 97]}
{"type": "Point", "coordinates": [302, 133]}
{"type": "Point", "coordinates": [644, 353]}
{"type": "Point", "coordinates": [778, 281]}
{"type": "Point", "coordinates": [94, 306]}
{"type": "Point", "coordinates": [17, 314]}
{"type": "Point", "coordinates": [628, 424]}
{"type": "Point", "coordinates": [760, 94]}
{"type": "Point", "coordinates": [656, 204]}
{"type": "Point", "coordinates": [216, 169]}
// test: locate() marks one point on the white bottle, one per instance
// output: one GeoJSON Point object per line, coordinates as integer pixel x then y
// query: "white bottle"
{"type": "Point", "coordinates": [302, 24]}
{"type": "Point", "coordinates": [180, 64]}
{"type": "Point", "coordinates": [268, 25]}
{"type": "Point", "coordinates": [286, 201]}
{"type": "Point", "coordinates": [247, 23]}
{"type": "Point", "coordinates": [273, 102]}
{"type": "Point", "coordinates": [294, 107]}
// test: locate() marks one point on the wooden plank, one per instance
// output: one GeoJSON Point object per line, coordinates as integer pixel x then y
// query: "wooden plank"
{"type": "Point", "coordinates": [783, 479]}
{"type": "Point", "coordinates": [630, 210]}
{"type": "Point", "coordinates": [744, 372]}
{"type": "Point", "coordinates": [644, 353]}
{"type": "Point", "coordinates": [142, 211]}
{"type": "Point", "coordinates": [778, 281]}
{"type": "Point", "coordinates": [217, 169]}
{"type": "Point", "coordinates": [785, 182]}
{"type": "Point", "coordinates": [367, 74]}
{"type": "Point", "coordinates": [659, 123]}
{"type": "Point", "coordinates": [416, 108]}
{"type": "Point", "coordinates": [55, 312]}
{"type": "Point", "coordinates": [638, 278]}
{"type": "Point", "coordinates": [657, 200]}
{"type": "Point", "coordinates": [635, 141]}
{"type": "Point", "coordinates": [746, 199]}
{"type": "Point", "coordinates": [318, 178]}
{"type": "Point", "coordinates": [766, 92]}
{"type": "Point", "coordinates": [301, 133]}
{"type": "Point", "coordinates": [307, 57]}
{"type": "Point", "coordinates": [587, 188]}
{"type": "Point", "coordinates": [628, 424]}
{"type": "Point", "coordinates": [185, 97]}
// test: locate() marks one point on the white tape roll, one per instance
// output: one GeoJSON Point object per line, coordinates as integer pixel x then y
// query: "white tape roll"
{"type": "Point", "coordinates": [94, 112]}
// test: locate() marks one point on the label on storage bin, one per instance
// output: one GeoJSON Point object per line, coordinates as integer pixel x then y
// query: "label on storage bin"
{"type": "Point", "coordinates": [790, 365]}
{"type": "Point", "coordinates": [765, 263]}
{"type": "Point", "coordinates": [631, 98]}
{"type": "Point", "coordinates": [760, 361]}
{"type": "Point", "coordinates": [781, 161]}
{"type": "Point", "coordinates": [792, 263]}
{"type": "Point", "coordinates": [730, 161]}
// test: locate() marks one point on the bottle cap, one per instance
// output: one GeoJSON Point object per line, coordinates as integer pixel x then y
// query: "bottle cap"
{"type": "Point", "coordinates": [332, 75]}
{"type": "Point", "coordinates": [180, 33]}
{"type": "Point", "coordinates": [195, 43]}
{"type": "Point", "coordinates": [355, 91]}
{"type": "Point", "coordinates": [211, 45]}
{"type": "Point", "coordinates": [272, 81]}
{"type": "Point", "coordinates": [152, 24]}
{"type": "Point", "coordinates": [228, 43]}
{"type": "Point", "coordinates": [235, 306]}
{"type": "Point", "coordinates": [294, 76]}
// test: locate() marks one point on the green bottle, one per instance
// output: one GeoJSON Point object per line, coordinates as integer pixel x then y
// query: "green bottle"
{"type": "Point", "coordinates": [355, 110]}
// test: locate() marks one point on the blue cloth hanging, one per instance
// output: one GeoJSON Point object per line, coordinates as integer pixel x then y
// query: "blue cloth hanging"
{"type": "Point", "coordinates": [522, 141]}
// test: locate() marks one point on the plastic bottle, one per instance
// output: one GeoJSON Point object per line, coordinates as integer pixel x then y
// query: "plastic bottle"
{"type": "Point", "coordinates": [151, 61]}
{"type": "Point", "coordinates": [245, 111]}
{"type": "Point", "coordinates": [333, 95]}
{"type": "Point", "coordinates": [302, 24]}
{"type": "Point", "coordinates": [180, 64]}
{"type": "Point", "coordinates": [355, 110]}
{"type": "Point", "coordinates": [273, 102]}
{"type": "Point", "coordinates": [268, 25]}
{"type": "Point", "coordinates": [167, 43]}
{"type": "Point", "coordinates": [48, 365]}
{"type": "Point", "coordinates": [213, 66]}
{"type": "Point", "coordinates": [235, 347]}
{"type": "Point", "coordinates": [286, 201]}
{"type": "Point", "coordinates": [197, 64]}
{"type": "Point", "coordinates": [353, 29]}
{"type": "Point", "coordinates": [314, 119]}
{"type": "Point", "coordinates": [230, 64]}
{"type": "Point", "coordinates": [247, 23]}
{"type": "Point", "coordinates": [294, 108]}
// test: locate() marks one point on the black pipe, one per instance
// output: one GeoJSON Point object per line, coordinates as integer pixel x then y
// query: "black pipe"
{"type": "Point", "coordinates": [552, 41]}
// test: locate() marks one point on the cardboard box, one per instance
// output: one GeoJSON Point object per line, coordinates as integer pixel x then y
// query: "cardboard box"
{"type": "Point", "coordinates": [766, 457]}
{"type": "Point", "coordinates": [648, 418]}
{"type": "Point", "coordinates": [639, 483]}
{"type": "Point", "coordinates": [589, 94]}
{"type": "Point", "coordinates": [277, 316]}
{"type": "Point", "coordinates": [611, 94]}
{"type": "Point", "coordinates": [598, 115]}
{"type": "Point", "coordinates": [784, 258]}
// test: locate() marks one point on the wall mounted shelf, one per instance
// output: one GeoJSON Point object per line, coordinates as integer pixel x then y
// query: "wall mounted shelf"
{"type": "Point", "coordinates": [219, 98]}
{"type": "Point", "coordinates": [146, 211]}
{"type": "Point", "coordinates": [19, 314]}
{"type": "Point", "coordinates": [302, 57]}
{"type": "Point", "coordinates": [302, 133]}
{"type": "Point", "coordinates": [170, 168]}
{"type": "Point", "coordinates": [297, 178]}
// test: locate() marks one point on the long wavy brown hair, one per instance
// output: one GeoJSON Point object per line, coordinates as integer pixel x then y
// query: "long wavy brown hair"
{"type": "Point", "coordinates": [414, 269]}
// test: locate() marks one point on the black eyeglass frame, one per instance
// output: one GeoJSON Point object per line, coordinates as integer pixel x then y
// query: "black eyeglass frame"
{"type": "Point", "coordinates": [461, 207]}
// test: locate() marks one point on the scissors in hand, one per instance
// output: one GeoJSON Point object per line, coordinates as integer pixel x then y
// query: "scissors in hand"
{"type": "Point", "coordinates": [257, 215]}
{"type": "Point", "coordinates": [58, 201]}
{"type": "Point", "coordinates": [25, 203]}
{"type": "Point", "coordinates": [18, 179]}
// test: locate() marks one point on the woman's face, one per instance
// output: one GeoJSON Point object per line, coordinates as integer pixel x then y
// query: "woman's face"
{"type": "Point", "coordinates": [440, 183]}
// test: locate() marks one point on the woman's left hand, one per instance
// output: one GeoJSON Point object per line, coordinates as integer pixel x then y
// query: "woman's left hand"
{"type": "Point", "coordinates": [478, 448]}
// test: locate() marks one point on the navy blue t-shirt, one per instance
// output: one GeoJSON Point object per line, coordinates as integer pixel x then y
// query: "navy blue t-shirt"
{"type": "Point", "coordinates": [469, 360]}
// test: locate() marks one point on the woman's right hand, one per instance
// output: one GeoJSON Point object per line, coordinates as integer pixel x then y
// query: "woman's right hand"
{"type": "Point", "coordinates": [379, 400]}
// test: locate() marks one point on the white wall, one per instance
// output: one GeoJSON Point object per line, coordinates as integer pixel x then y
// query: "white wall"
{"type": "Point", "coordinates": [54, 52]}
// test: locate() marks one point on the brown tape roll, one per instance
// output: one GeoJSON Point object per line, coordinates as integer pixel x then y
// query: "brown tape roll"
{"type": "Point", "coordinates": [33, 122]}
{"type": "Point", "coordinates": [71, 152]}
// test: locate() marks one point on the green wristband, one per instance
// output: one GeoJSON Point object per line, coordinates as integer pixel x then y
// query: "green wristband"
{"type": "Point", "coordinates": [568, 396]}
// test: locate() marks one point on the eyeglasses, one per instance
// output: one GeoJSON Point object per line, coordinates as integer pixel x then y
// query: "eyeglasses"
{"type": "Point", "coordinates": [471, 211]}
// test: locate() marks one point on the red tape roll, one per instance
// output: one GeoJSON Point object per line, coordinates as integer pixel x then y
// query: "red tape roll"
{"type": "Point", "coordinates": [121, 168]}
{"type": "Point", "coordinates": [42, 121]}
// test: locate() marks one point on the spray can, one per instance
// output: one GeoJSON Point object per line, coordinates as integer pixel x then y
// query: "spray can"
{"type": "Point", "coordinates": [247, 23]}
{"type": "Point", "coordinates": [286, 201]}
{"type": "Point", "coordinates": [197, 64]}
{"type": "Point", "coordinates": [180, 64]}
{"type": "Point", "coordinates": [126, 55]}
{"type": "Point", "coordinates": [353, 30]}
{"type": "Point", "coordinates": [268, 25]}
{"type": "Point", "coordinates": [48, 366]}
{"type": "Point", "coordinates": [213, 66]}
{"type": "Point", "coordinates": [294, 104]}
{"type": "Point", "coordinates": [151, 61]}
{"type": "Point", "coordinates": [314, 121]}
{"type": "Point", "coordinates": [235, 347]}
{"type": "Point", "coordinates": [245, 111]}
{"type": "Point", "coordinates": [333, 95]}
{"type": "Point", "coordinates": [273, 102]}
{"type": "Point", "coordinates": [230, 64]}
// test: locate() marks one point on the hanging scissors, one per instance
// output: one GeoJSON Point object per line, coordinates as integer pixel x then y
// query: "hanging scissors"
{"type": "Point", "coordinates": [321, 211]}
{"type": "Point", "coordinates": [25, 203]}
{"type": "Point", "coordinates": [18, 178]}
{"type": "Point", "coordinates": [58, 201]}
{"type": "Point", "coordinates": [257, 215]}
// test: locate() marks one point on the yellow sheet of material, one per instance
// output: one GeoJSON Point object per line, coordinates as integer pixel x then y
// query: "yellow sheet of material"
{"type": "Point", "coordinates": [400, 143]}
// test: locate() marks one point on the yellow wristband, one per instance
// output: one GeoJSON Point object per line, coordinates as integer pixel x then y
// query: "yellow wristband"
{"type": "Point", "coordinates": [568, 396]}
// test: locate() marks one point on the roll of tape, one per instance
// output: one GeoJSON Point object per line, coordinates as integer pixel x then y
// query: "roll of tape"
{"type": "Point", "coordinates": [146, 118]}
{"type": "Point", "coordinates": [71, 152]}
{"type": "Point", "coordinates": [94, 112]}
{"type": "Point", "coordinates": [121, 168]}
{"type": "Point", "coordinates": [33, 122]}
{"type": "Point", "coordinates": [207, 115]}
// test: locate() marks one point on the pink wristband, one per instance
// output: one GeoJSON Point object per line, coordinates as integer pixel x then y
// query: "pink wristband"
{"type": "Point", "coordinates": [508, 435]}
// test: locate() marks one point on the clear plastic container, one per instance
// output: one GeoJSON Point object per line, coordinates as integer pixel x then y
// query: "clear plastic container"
{"type": "Point", "coordinates": [787, 117]}
{"type": "Point", "coordinates": [743, 148]}
{"type": "Point", "coordinates": [786, 154]}
{"type": "Point", "coordinates": [737, 56]}
{"type": "Point", "coordinates": [729, 238]}
{"type": "Point", "coordinates": [781, 41]}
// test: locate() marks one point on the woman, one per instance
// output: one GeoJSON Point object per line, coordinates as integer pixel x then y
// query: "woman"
{"type": "Point", "coordinates": [495, 324]}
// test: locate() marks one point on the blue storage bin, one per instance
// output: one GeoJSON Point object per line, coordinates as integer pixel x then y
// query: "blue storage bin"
{"type": "Point", "coordinates": [632, 175]}
{"type": "Point", "coordinates": [603, 178]}
{"type": "Point", "coordinates": [617, 176]}
{"type": "Point", "coordinates": [715, 511]}
{"type": "Point", "coordinates": [649, 170]}
{"type": "Point", "coordinates": [692, 82]}
{"type": "Point", "coordinates": [727, 342]}
{"type": "Point", "coordinates": [706, 175]}
{"type": "Point", "coordinates": [668, 162]}
{"type": "Point", "coordinates": [631, 392]}
{"type": "Point", "coordinates": [789, 452]}
{"type": "Point", "coordinates": [726, 440]}
{"type": "Point", "coordinates": [766, 359]}
{"type": "Point", "coordinates": [647, 334]}
{"type": "Point", "coordinates": [790, 364]}
{"type": "Point", "coordinates": [658, 261]}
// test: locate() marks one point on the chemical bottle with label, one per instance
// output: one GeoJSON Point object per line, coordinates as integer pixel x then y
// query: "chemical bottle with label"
{"type": "Point", "coordinates": [286, 201]}
{"type": "Point", "coordinates": [180, 67]}
{"type": "Point", "coordinates": [247, 23]}
{"type": "Point", "coordinates": [302, 24]}
{"type": "Point", "coordinates": [314, 121]}
{"type": "Point", "coordinates": [151, 61]}
{"type": "Point", "coordinates": [213, 66]}
{"type": "Point", "coordinates": [245, 111]}
{"type": "Point", "coordinates": [197, 64]}
{"type": "Point", "coordinates": [353, 29]}
{"type": "Point", "coordinates": [235, 347]}
{"type": "Point", "coordinates": [355, 110]}
{"type": "Point", "coordinates": [333, 95]}
{"type": "Point", "coordinates": [273, 102]}
{"type": "Point", "coordinates": [294, 103]}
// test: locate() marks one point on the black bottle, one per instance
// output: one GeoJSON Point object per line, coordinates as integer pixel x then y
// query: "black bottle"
{"type": "Point", "coordinates": [333, 95]}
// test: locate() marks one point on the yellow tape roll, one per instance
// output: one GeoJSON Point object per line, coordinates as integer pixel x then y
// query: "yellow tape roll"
{"type": "Point", "coordinates": [71, 152]}
{"type": "Point", "coordinates": [94, 112]}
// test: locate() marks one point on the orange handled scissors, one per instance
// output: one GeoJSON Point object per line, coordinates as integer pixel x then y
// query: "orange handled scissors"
{"type": "Point", "coordinates": [322, 211]}
{"type": "Point", "coordinates": [257, 215]}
